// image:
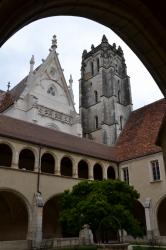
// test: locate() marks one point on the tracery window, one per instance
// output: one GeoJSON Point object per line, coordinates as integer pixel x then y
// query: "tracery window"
{"type": "Point", "coordinates": [51, 90]}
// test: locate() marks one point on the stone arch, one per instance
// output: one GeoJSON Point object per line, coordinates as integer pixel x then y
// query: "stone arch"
{"type": "Point", "coordinates": [111, 173]}
{"type": "Point", "coordinates": [15, 215]}
{"type": "Point", "coordinates": [161, 216]}
{"type": "Point", "coordinates": [139, 214]}
{"type": "Point", "coordinates": [132, 21]}
{"type": "Point", "coordinates": [6, 155]}
{"type": "Point", "coordinates": [47, 163]}
{"type": "Point", "coordinates": [97, 172]}
{"type": "Point", "coordinates": [51, 225]}
{"type": "Point", "coordinates": [83, 169]}
{"type": "Point", "coordinates": [26, 159]}
{"type": "Point", "coordinates": [66, 167]}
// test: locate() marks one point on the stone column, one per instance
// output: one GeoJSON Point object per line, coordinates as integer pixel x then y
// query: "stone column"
{"type": "Point", "coordinates": [90, 172]}
{"type": "Point", "coordinates": [75, 169]}
{"type": "Point", "coordinates": [104, 168]}
{"type": "Point", "coordinates": [37, 219]}
{"type": "Point", "coordinates": [58, 166]}
{"type": "Point", "coordinates": [147, 204]}
{"type": "Point", "coordinates": [15, 159]}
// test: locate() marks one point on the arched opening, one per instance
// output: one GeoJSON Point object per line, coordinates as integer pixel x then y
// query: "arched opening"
{"type": "Point", "coordinates": [83, 169]}
{"type": "Point", "coordinates": [26, 160]}
{"type": "Point", "coordinates": [111, 173]}
{"type": "Point", "coordinates": [51, 225]}
{"type": "Point", "coordinates": [66, 166]}
{"type": "Point", "coordinates": [161, 217]}
{"type": "Point", "coordinates": [47, 164]}
{"type": "Point", "coordinates": [98, 64]}
{"type": "Point", "coordinates": [96, 122]}
{"type": "Point", "coordinates": [5, 155]}
{"type": "Point", "coordinates": [96, 96]}
{"type": "Point", "coordinates": [13, 217]}
{"type": "Point", "coordinates": [139, 214]}
{"type": "Point", "coordinates": [97, 172]}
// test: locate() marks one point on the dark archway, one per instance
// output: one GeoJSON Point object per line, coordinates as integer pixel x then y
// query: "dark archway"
{"type": "Point", "coordinates": [51, 225]}
{"type": "Point", "coordinates": [97, 172]}
{"type": "Point", "coordinates": [83, 169]}
{"type": "Point", "coordinates": [26, 160]}
{"type": "Point", "coordinates": [111, 173]}
{"type": "Point", "coordinates": [136, 22]}
{"type": "Point", "coordinates": [47, 164]}
{"type": "Point", "coordinates": [66, 166]}
{"type": "Point", "coordinates": [161, 217]}
{"type": "Point", "coordinates": [139, 214]}
{"type": "Point", "coordinates": [13, 217]}
{"type": "Point", "coordinates": [5, 155]}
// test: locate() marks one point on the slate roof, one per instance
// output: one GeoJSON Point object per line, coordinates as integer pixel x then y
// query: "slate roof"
{"type": "Point", "coordinates": [35, 134]}
{"type": "Point", "coordinates": [139, 135]}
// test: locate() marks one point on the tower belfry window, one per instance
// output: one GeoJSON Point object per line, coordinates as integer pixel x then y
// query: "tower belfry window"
{"type": "Point", "coordinates": [96, 96]}
{"type": "Point", "coordinates": [98, 64]}
{"type": "Point", "coordinates": [96, 122]}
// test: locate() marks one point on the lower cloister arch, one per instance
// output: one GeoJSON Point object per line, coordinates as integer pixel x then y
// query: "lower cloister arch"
{"type": "Point", "coordinates": [161, 217]}
{"type": "Point", "coordinates": [97, 172]}
{"type": "Point", "coordinates": [51, 226]}
{"type": "Point", "coordinates": [47, 163]}
{"type": "Point", "coordinates": [139, 214]}
{"type": "Point", "coordinates": [5, 155]}
{"type": "Point", "coordinates": [26, 159]}
{"type": "Point", "coordinates": [83, 169]}
{"type": "Point", "coordinates": [14, 216]}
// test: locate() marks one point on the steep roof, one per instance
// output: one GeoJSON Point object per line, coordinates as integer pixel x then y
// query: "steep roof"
{"type": "Point", "coordinates": [39, 135]}
{"type": "Point", "coordinates": [139, 135]}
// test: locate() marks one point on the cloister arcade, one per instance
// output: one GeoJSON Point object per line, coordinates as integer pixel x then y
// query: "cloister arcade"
{"type": "Point", "coordinates": [50, 163]}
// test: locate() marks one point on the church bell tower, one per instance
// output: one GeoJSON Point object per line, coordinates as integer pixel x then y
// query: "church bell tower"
{"type": "Point", "coordinates": [105, 96]}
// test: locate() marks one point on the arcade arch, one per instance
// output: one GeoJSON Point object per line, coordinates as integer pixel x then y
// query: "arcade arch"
{"type": "Point", "coordinates": [83, 169]}
{"type": "Point", "coordinates": [111, 173]}
{"type": "Point", "coordinates": [66, 167]}
{"type": "Point", "coordinates": [47, 163]}
{"type": "Point", "coordinates": [26, 159]}
{"type": "Point", "coordinates": [139, 214]}
{"type": "Point", "coordinates": [97, 172]}
{"type": "Point", "coordinates": [5, 155]}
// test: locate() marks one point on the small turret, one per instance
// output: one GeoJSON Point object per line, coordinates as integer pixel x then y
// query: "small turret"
{"type": "Point", "coordinates": [32, 63]}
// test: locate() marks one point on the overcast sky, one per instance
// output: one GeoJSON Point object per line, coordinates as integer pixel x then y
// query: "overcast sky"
{"type": "Point", "coordinates": [74, 34]}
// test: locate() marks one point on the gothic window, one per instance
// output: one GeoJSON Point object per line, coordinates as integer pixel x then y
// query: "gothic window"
{"type": "Point", "coordinates": [51, 90]}
{"type": "Point", "coordinates": [126, 175]}
{"type": "Point", "coordinates": [92, 68]}
{"type": "Point", "coordinates": [96, 96]}
{"type": "Point", "coordinates": [121, 122]}
{"type": "Point", "coordinates": [98, 64]}
{"type": "Point", "coordinates": [118, 95]}
{"type": "Point", "coordinates": [96, 122]}
{"type": "Point", "coordinates": [155, 170]}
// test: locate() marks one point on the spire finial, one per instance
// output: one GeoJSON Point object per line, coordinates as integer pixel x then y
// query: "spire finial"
{"type": "Point", "coordinates": [104, 39]}
{"type": "Point", "coordinates": [32, 63]}
{"type": "Point", "coordinates": [71, 81]}
{"type": "Point", "coordinates": [8, 86]}
{"type": "Point", "coordinates": [54, 43]}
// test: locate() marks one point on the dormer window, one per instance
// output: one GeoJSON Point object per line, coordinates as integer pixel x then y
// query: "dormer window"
{"type": "Point", "coordinates": [51, 90]}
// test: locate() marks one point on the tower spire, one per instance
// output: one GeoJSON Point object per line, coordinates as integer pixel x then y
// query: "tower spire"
{"type": "Point", "coordinates": [104, 39]}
